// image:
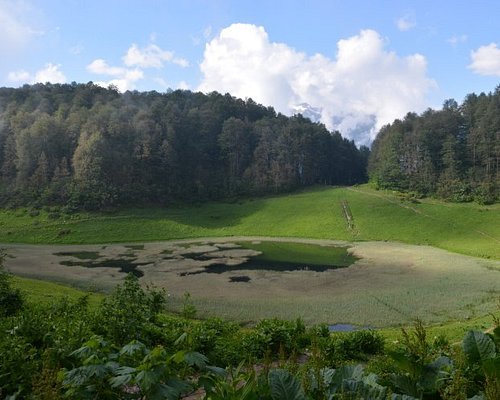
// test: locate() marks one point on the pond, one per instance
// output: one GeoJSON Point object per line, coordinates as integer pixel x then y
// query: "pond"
{"type": "Point", "coordinates": [280, 257]}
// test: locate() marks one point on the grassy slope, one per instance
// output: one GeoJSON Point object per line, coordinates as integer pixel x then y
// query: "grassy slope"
{"type": "Point", "coordinates": [43, 292]}
{"type": "Point", "coordinates": [464, 228]}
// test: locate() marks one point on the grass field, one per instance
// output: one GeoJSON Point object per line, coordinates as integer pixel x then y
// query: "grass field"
{"type": "Point", "coordinates": [463, 228]}
{"type": "Point", "coordinates": [388, 284]}
{"type": "Point", "coordinates": [45, 292]}
{"type": "Point", "coordinates": [408, 282]}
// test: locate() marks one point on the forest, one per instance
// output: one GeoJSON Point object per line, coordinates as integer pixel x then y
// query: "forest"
{"type": "Point", "coordinates": [84, 146]}
{"type": "Point", "coordinates": [453, 153]}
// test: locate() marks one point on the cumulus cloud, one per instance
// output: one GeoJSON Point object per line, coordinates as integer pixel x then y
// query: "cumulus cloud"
{"type": "Point", "coordinates": [123, 78]}
{"type": "Point", "coordinates": [151, 56]}
{"type": "Point", "coordinates": [486, 60]}
{"type": "Point", "coordinates": [406, 22]}
{"type": "Point", "coordinates": [50, 73]}
{"type": "Point", "coordinates": [358, 92]}
{"type": "Point", "coordinates": [135, 61]}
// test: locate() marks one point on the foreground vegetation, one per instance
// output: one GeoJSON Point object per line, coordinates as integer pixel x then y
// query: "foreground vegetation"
{"type": "Point", "coordinates": [378, 215]}
{"type": "Point", "coordinates": [127, 347]}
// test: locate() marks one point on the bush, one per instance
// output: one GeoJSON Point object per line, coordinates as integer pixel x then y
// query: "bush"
{"type": "Point", "coordinates": [357, 345]}
{"type": "Point", "coordinates": [54, 215]}
{"type": "Point", "coordinates": [34, 213]}
{"type": "Point", "coordinates": [274, 337]}
{"type": "Point", "coordinates": [125, 314]}
{"type": "Point", "coordinates": [11, 299]}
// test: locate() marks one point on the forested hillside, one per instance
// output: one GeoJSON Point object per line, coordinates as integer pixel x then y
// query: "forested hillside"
{"type": "Point", "coordinates": [91, 147]}
{"type": "Point", "coordinates": [453, 153]}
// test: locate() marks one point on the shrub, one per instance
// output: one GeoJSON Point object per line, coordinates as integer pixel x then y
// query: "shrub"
{"type": "Point", "coordinates": [11, 299]}
{"type": "Point", "coordinates": [125, 314]}
{"type": "Point", "coordinates": [274, 337]}
{"type": "Point", "coordinates": [34, 213]}
{"type": "Point", "coordinates": [357, 345]}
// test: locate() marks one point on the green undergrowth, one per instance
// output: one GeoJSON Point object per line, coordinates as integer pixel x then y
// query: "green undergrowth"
{"type": "Point", "coordinates": [66, 348]}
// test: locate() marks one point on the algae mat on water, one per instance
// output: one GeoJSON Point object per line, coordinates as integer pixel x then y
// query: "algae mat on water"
{"type": "Point", "coordinates": [388, 284]}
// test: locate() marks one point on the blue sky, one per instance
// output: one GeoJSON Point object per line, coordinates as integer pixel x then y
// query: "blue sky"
{"type": "Point", "coordinates": [359, 64]}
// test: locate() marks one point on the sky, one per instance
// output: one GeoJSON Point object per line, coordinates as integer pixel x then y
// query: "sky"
{"type": "Point", "coordinates": [354, 65]}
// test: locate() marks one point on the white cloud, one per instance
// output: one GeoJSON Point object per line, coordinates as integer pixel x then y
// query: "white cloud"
{"type": "Point", "coordinates": [486, 60]}
{"type": "Point", "coordinates": [406, 22]}
{"type": "Point", "coordinates": [207, 32]}
{"type": "Point", "coordinates": [183, 85]}
{"type": "Point", "coordinates": [100, 66]}
{"type": "Point", "coordinates": [358, 92]}
{"type": "Point", "coordinates": [135, 60]}
{"type": "Point", "coordinates": [76, 50]}
{"type": "Point", "coordinates": [124, 78]}
{"type": "Point", "coordinates": [151, 56]}
{"type": "Point", "coordinates": [15, 28]}
{"type": "Point", "coordinates": [457, 39]}
{"type": "Point", "coordinates": [19, 76]}
{"type": "Point", "coordinates": [50, 73]}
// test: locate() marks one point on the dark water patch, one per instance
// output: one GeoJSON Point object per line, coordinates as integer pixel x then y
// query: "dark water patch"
{"type": "Point", "coordinates": [341, 328]}
{"type": "Point", "coordinates": [197, 256]}
{"type": "Point", "coordinates": [81, 255]}
{"type": "Point", "coordinates": [346, 328]}
{"type": "Point", "coordinates": [125, 266]}
{"type": "Point", "coordinates": [301, 253]}
{"type": "Point", "coordinates": [264, 265]}
{"type": "Point", "coordinates": [239, 278]}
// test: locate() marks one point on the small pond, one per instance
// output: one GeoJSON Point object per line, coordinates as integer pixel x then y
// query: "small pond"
{"type": "Point", "coordinates": [280, 257]}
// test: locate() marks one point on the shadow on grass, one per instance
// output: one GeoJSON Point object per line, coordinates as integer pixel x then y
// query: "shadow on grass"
{"type": "Point", "coordinates": [212, 215]}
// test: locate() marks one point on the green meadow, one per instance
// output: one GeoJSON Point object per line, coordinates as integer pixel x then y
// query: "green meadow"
{"type": "Point", "coordinates": [457, 296]}
{"type": "Point", "coordinates": [468, 228]}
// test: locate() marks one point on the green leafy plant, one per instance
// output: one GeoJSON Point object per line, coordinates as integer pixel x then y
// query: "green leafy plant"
{"type": "Point", "coordinates": [482, 353]}
{"type": "Point", "coordinates": [133, 372]}
{"type": "Point", "coordinates": [188, 308]}
{"type": "Point", "coordinates": [421, 369]}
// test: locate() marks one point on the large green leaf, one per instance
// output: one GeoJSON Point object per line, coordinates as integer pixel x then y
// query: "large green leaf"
{"type": "Point", "coordinates": [478, 347]}
{"type": "Point", "coordinates": [491, 368]}
{"type": "Point", "coordinates": [285, 386]}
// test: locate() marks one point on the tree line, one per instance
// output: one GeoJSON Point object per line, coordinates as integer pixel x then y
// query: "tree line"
{"type": "Point", "coordinates": [91, 147]}
{"type": "Point", "coordinates": [453, 153]}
